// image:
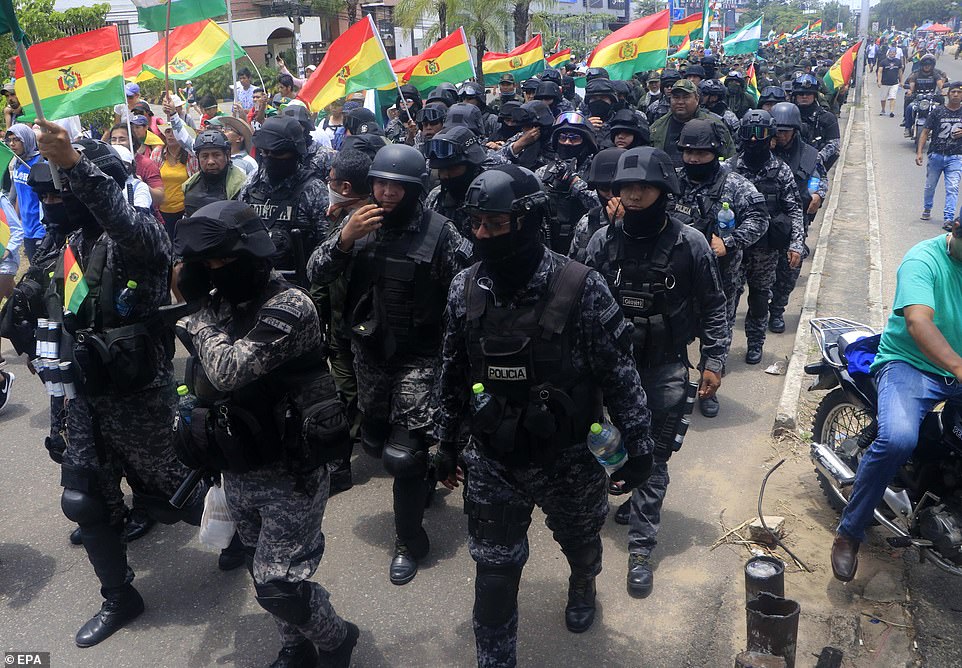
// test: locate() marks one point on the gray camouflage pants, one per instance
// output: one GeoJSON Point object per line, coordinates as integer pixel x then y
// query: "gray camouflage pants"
{"type": "Point", "coordinates": [730, 277]}
{"type": "Point", "coordinates": [758, 272]}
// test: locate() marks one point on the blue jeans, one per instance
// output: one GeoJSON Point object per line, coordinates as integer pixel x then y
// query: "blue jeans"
{"type": "Point", "coordinates": [951, 166]}
{"type": "Point", "coordinates": [905, 395]}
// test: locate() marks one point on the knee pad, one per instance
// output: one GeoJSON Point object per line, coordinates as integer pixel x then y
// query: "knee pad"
{"type": "Point", "coordinates": [83, 508]}
{"type": "Point", "coordinates": [373, 434]}
{"type": "Point", "coordinates": [758, 302]}
{"type": "Point", "coordinates": [496, 594]}
{"type": "Point", "coordinates": [289, 601]}
{"type": "Point", "coordinates": [405, 454]}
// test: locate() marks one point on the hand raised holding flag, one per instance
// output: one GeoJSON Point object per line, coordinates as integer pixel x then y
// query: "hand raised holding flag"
{"type": "Point", "coordinates": [55, 145]}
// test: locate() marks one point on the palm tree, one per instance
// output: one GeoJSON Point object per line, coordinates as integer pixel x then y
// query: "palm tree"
{"type": "Point", "coordinates": [408, 13]}
{"type": "Point", "coordinates": [483, 21]}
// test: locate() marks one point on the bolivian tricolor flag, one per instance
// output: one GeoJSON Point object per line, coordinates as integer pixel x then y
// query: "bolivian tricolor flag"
{"type": "Point", "coordinates": [681, 29]}
{"type": "Point", "coordinates": [4, 232]}
{"type": "Point", "coordinates": [640, 45]}
{"type": "Point", "coordinates": [447, 61]}
{"type": "Point", "coordinates": [523, 62]}
{"type": "Point", "coordinates": [559, 59]}
{"type": "Point", "coordinates": [194, 49]}
{"type": "Point", "coordinates": [751, 83]}
{"type": "Point", "coordinates": [816, 27]}
{"type": "Point", "coordinates": [683, 50]}
{"type": "Point", "coordinates": [74, 284]}
{"type": "Point", "coordinates": [781, 40]}
{"type": "Point", "coordinates": [355, 61]}
{"type": "Point", "coordinates": [840, 73]}
{"type": "Point", "coordinates": [74, 75]}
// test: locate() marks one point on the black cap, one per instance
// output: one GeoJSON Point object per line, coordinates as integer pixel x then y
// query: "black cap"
{"type": "Point", "coordinates": [220, 230]}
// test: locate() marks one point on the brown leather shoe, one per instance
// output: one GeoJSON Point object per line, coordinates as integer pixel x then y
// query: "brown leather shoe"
{"type": "Point", "coordinates": [844, 557]}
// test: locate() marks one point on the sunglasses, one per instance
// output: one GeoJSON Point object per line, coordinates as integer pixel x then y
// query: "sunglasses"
{"type": "Point", "coordinates": [570, 137]}
{"type": "Point", "coordinates": [489, 226]}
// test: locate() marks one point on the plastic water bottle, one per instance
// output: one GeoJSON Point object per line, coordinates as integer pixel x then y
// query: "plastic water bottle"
{"type": "Point", "coordinates": [480, 398]}
{"type": "Point", "coordinates": [813, 183]}
{"type": "Point", "coordinates": [125, 301]}
{"type": "Point", "coordinates": [185, 404]}
{"type": "Point", "coordinates": [725, 218]}
{"type": "Point", "coordinates": [604, 441]}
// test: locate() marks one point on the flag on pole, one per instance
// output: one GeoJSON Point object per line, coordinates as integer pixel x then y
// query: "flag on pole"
{"type": "Point", "coordinates": [74, 74]}
{"type": "Point", "coordinates": [194, 49]}
{"type": "Point", "coordinates": [781, 40]}
{"type": "Point", "coordinates": [840, 73]}
{"type": "Point", "coordinates": [355, 61]}
{"type": "Point", "coordinates": [640, 45]}
{"type": "Point", "coordinates": [558, 59]}
{"type": "Point", "coordinates": [751, 83]}
{"type": "Point", "coordinates": [446, 61]}
{"type": "Point", "coordinates": [815, 27]}
{"type": "Point", "coordinates": [557, 44]}
{"type": "Point", "coordinates": [800, 31]}
{"type": "Point", "coordinates": [152, 14]}
{"type": "Point", "coordinates": [683, 50]}
{"type": "Point", "coordinates": [4, 231]}
{"type": "Point", "coordinates": [6, 157]}
{"type": "Point", "coordinates": [706, 18]}
{"type": "Point", "coordinates": [686, 26]}
{"type": "Point", "coordinates": [523, 62]}
{"type": "Point", "coordinates": [9, 24]}
{"type": "Point", "coordinates": [74, 284]}
{"type": "Point", "coordinates": [745, 40]}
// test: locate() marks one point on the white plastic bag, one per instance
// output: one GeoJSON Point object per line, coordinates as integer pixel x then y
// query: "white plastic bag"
{"type": "Point", "coordinates": [216, 526]}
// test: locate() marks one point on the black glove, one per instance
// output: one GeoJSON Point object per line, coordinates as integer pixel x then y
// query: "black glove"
{"type": "Point", "coordinates": [445, 461]}
{"type": "Point", "coordinates": [635, 471]}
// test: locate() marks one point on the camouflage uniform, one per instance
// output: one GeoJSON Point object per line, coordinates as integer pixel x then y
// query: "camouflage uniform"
{"type": "Point", "coordinates": [760, 262]}
{"type": "Point", "coordinates": [113, 434]}
{"type": "Point", "coordinates": [571, 489]}
{"type": "Point", "coordinates": [821, 131]}
{"type": "Point", "coordinates": [278, 514]}
{"type": "Point", "coordinates": [562, 202]}
{"type": "Point", "coordinates": [751, 223]}
{"type": "Point", "coordinates": [590, 223]}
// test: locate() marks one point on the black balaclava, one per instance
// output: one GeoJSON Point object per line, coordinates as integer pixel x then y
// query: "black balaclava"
{"type": "Point", "coordinates": [240, 280]}
{"type": "Point", "coordinates": [279, 169]}
{"type": "Point", "coordinates": [79, 217]}
{"type": "Point", "coordinates": [600, 107]}
{"type": "Point", "coordinates": [505, 132]}
{"type": "Point", "coordinates": [756, 153]}
{"type": "Point", "coordinates": [457, 186]}
{"type": "Point", "coordinates": [56, 220]}
{"type": "Point", "coordinates": [511, 259]}
{"type": "Point", "coordinates": [569, 151]}
{"type": "Point", "coordinates": [194, 281]}
{"type": "Point", "coordinates": [701, 173]}
{"type": "Point", "coordinates": [401, 215]}
{"type": "Point", "coordinates": [646, 223]}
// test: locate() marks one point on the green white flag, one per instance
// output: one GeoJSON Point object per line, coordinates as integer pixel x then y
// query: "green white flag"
{"type": "Point", "coordinates": [745, 40]}
{"type": "Point", "coordinates": [152, 14]}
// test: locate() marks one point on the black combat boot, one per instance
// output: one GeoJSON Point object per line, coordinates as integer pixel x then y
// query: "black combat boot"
{"type": "Point", "coordinates": [301, 655]}
{"type": "Point", "coordinates": [341, 477]}
{"type": "Point", "coordinates": [623, 514]}
{"type": "Point", "coordinates": [776, 323]}
{"type": "Point", "coordinates": [407, 554]}
{"type": "Point", "coordinates": [640, 579]}
{"type": "Point", "coordinates": [580, 611]}
{"type": "Point", "coordinates": [754, 353]}
{"type": "Point", "coordinates": [76, 538]}
{"type": "Point", "coordinates": [138, 524]}
{"type": "Point", "coordinates": [121, 606]}
{"type": "Point", "coordinates": [233, 556]}
{"type": "Point", "coordinates": [709, 407]}
{"type": "Point", "coordinates": [340, 657]}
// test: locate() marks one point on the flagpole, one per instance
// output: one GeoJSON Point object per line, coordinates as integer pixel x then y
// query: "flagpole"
{"type": "Point", "coordinates": [233, 63]}
{"type": "Point", "coordinates": [35, 96]}
{"type": "Point", "coordinates": [167, 52]}
{"type": "Point", "coordinates": [130, 131]}
{"type": "Point", "coordinates": [388, 60]}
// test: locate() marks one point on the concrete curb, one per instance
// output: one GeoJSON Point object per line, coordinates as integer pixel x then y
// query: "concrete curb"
{"type": "Point", "coordinates": [786, 417]}
{"type": "Point", "coordinates": [874, 232]}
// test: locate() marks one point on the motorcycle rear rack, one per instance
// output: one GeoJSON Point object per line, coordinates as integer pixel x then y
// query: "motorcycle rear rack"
{"type": "Point", "coordinates": [826, 332]}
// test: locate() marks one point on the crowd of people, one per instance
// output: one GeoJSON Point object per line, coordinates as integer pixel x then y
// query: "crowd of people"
{"type": "Point", "coordinates": [462, 287]}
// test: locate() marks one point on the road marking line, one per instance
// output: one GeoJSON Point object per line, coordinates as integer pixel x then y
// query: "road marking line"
{"type": "Point", "coordinates": [874, 234]}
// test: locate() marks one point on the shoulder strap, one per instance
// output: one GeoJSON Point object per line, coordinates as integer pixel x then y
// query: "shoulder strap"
{"type": "Point", "coordinates": [425, 243]}
{"type": "Point", "coordinates": [661, 253]}
{"type": "Point", "coordinates": [474, 297]}
{"type": "Point", "coordinates": [566, 288]}
{"type": "Point", "coordinates": [807, 160]}
{"type": "Point", "coordinates": [614, 244]}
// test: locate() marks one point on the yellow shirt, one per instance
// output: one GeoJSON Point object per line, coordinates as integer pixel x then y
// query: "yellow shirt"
{"type": "Point", "coordinates": [173, 177]}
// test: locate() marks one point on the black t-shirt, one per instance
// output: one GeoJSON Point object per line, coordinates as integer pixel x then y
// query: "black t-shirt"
{"type": "Point", "coordinates": [890, 68]}
{"type": "Point", "coordinates": [940, 123]}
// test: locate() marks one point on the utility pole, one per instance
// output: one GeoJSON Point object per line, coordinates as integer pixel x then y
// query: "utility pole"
{"type": "Point", "coordinates": [860, 65]}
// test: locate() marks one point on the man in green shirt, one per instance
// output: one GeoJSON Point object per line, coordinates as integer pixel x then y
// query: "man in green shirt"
{"type": "Point", "coordinates": [919, 364]}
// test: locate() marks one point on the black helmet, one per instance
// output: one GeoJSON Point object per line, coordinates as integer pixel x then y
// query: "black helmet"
{"type": "Point", "coordinates": [804, 84]}
{"type": "Point", "coordinates": [399, 162]}
{"type": "Point", "coordinates": [647, 165]}
{"type": "Point", "coordinates": [551, 74]}
{"type": "Point", "coordinates": [506, 189]}
{"type": "Point", "coordinates": [507, 110]}
{"type": "Point", "coordinates": [626, 120]}
{"type": "Point", "coordinates": [772, 94]}
{"type": "Point", "coordinates": [599, 87]}
{"type": "Point", "coordinates": [927, 59]}
{"type": "Point", "coordinates": [300, 114]}
{"type": "Point", "coordinates": [603, 166]}
{"type": "Point", "coordinates": [465, 115]}
{"type": "Point", "coordinates": [712, 87]}
{"type": "Point", "coordinates": [367, 143]}
{"type": "Point", "coordinates": [359, 121]}
{"type": "Point", "coordinates": [574, 120]}
{"type": "Point", "coordinates": [621, 88]}
{"type": "Point", "coordinates": [567, 86]}
{"type": "Point", "coordinates": [596, 73]}
{"type": "Point", "coordinates": [214, 139]}
{"type": "Point", "coordinates": [455, 146]}
{"type": "Point", "coordinates": [472, 89]}
{"type": "Point", "coordinates": [432, 113]}
{"type": "Point", "coordinates": [787, 115]}
{"type": "Point", "coordinates": [223, 229]}
{"type": "Point", "coordinates": [700, 134]}
{"type": "Point", "coordinates": [280, 133]}
{"type": "Point", "coordinates": [756, 124]}
{"type": "Point", "coordinates": [696, 70]}
{"type": "Point", "coordinates": [412, 94]}
{"type": "Point", "coordinates": [445, 93]}
{"type": "Point", "coordinates": [548, 90]}
{"type": "Point", "coordinates": [535, 112]}
{"type": "Point", "coordinates": [530, 85]}
{"type": "Point", "coordinates": [105, 158]}
{"type": "Point", "coordinates": [40, 180]}
{"type": "Point", "coordinates": [669, 77]}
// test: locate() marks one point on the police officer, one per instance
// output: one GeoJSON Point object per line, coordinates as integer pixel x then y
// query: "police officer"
{"type": "Point", "coordinates": [786, 230]}
{"type": "Point", "coordinates": [599, 177]}
{"type": "Point", "coordinates": [318, 157]}
{"type": "Point", "coordinates": [569, 197]}
{"type": "Point", "coordinates": [684, 99]}
{"type": "Point", "coordinates": [217, 179]}
{"type": "Point", "coordinates": [288, 195]}
{"type": "Point", "coordinates": [665, 277]}
{"type": "Point", "coordinates": [601, 103]}
{"type": "Point", "coordinates": [770, 96]}
{"type": "Point", "coordinates": [569, 92]}
{"type": "Point", "coordinates": [627, 130]}
{"type": "Point", "coordinates": [457, 154]}
{"type": "Point", "coordinates": [661, 105]}
{"type": "Point", "coordinates": [808, 169]}
{"type": "Point", "coordinates": [399, 258]}
{"type": "Point", "coordinates": [713, 94]}
{"type": "Point", "coordinates": [737, 99]}
{"type": "Point", "coordinates": [473, 93]}
{"type": "Point", "coordinates": [820, 126]}
{"type": "Point", "coordinates": [705, 185]}
{"type": "Point", "coordinates": [258, 346]}
{"type": "Point", "coordinates": [548, 344]}
{"type": "Point", "coordinates": [403, 128]}
{"type": "Point", "coordinates": [119, 422]}
{"type": "Point", "coordinates": [549, 92]}
{"type": "Point", "coordinates": [507, 92]}
{"type": "Point", "coordinates": [430, 121]}
{"type": "Point", "coordinates": [532, 146]}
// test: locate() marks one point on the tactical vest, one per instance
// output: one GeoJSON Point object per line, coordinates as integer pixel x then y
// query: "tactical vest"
{"type": "Point", "coordinates": [646, 290]}
{"type": "Point", "coordinates": [394, 306]}
{"type": "Point", "coordinates": [202, 193]}
{"type": "Point", "coordinates": [539, 402]}
{"type": "Point", "coordinates": [779, 233]}
{"type": "Point", "coordinates": [701, 211]}
{"type": "Point", "coordinates": [292, 238]}
{"type": "Point", "coordinates": [803, 161]}
{"type": "Point", "coordinates": [565, 210]}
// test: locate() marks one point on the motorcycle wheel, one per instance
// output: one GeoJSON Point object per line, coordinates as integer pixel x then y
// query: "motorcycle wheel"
{"type": "Point", "coordinates": [837, 418]}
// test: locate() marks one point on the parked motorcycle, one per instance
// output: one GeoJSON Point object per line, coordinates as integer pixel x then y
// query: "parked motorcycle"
{"type": "Point", "coordinates": [919, 109]}
{"type": "Point", "coordinates": [922, 506]}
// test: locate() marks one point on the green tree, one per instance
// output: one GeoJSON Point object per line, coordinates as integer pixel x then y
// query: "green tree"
{"type": "Point", "coordinates": [408, 14]}
{"type": "Point", "coordinates": [42, 24]}
{"type": "Point", "coordinates": [483, 22]}
{"type": "Point", "coordinates": [904, 14]}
